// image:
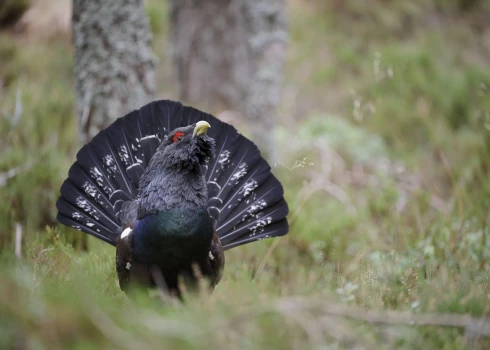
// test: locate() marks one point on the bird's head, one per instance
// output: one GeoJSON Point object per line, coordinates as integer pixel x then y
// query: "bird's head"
{"type": "Point", "coordinates": [188, 147]}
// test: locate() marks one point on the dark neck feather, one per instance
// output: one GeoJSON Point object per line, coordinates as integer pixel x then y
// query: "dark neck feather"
{"type": "Point", "coordinates": [170, 188]}
{"type": "Point", "coordinates": [174, 177]}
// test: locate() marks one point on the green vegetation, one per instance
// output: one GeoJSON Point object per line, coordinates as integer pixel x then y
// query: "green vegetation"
{"type": "Point", "coordinates": [384, 151]}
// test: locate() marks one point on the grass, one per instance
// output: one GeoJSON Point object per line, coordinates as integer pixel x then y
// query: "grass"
{"type": "Point", "coordinates": [386, 174]}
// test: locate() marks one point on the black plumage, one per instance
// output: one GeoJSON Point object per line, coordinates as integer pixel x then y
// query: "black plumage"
{"type": "Point", "coordinates": [117, 182]}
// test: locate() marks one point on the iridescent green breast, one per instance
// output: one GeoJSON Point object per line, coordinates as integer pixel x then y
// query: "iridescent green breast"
{"type": "Point", "coordinates": [173, 238]}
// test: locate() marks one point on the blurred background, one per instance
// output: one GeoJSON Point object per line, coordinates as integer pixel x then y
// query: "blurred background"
{"type": "Point", "coordinates": [374, 114]}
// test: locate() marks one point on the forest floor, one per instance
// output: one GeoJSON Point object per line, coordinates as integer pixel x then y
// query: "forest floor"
{"type": "Point", "coordinates": [383, 145]}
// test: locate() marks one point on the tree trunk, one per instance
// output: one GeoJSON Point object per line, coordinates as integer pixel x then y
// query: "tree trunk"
{"type": "Point", "coordinates": [114, 64]}
{"type": "Point", "coordinates": [229, 54]}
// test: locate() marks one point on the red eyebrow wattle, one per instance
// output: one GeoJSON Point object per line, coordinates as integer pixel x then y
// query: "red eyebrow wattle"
{"type": "Point", "coordinates": [177, 135]}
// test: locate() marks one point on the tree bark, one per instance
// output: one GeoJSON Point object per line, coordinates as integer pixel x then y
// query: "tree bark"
{"type": "Point", "coordinates": [229, 54]}
{"type": "Point", "coordinates": [114, 63]}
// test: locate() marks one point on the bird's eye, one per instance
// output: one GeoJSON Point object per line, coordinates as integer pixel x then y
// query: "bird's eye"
{"type": "Point", "coordinates": [178, 136]}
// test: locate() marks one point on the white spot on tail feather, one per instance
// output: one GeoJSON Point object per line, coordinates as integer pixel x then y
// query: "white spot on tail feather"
{"type": "Point", "coordinates": [87, 207]}
{"type": "Point", "coordinates": [254, 209]}
{"type": "Point", "coordinates": [132, 166]}
{"type": "Point", "coordinates": [261, 238]}
{"type": "Point", "coordinates": [124, 155]}
{"type": "Point", "coordinates": [214, 199]}
{"type": "Point", "coordinates": [114, 193]}
{"type": "Point", "coordinates": [241, 172]}
{"type": "Point", "coordinates": [249, 186]}
{"type": "Point", "coordinates": [97, 176]}
{"type": "Point", "coordinates": [97, 171]}
{"type": "Point", "coordinates": [259, 205]}
{"type": "Point", "coordinates": [92, 191]}
{"type": "Point", "coordinates": [215, 183]}
{"type": "Point", "coordinates": [110, 163]}
{"type": "Point", "coordinates": [259, 226]}
{"type": "Point", "coordinates": [150, 137]}
{"type": "Point", "coordinates": [224, 158]}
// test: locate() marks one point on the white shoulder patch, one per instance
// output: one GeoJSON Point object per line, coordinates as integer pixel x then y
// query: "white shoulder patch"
{"type": "Point", "coordinates": [126, 232]}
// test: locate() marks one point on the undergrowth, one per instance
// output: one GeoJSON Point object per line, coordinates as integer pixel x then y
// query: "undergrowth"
{"type": "Point", "coordinates": [384, 153]}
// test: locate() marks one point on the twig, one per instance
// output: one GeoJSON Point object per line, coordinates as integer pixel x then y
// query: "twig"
{"type": "Point", "coordinates": [18, 241]}
{"type": "Point", "coordinates": [477, 326]}
{"type": "Point", "coordinates": [18, 109]}
{"type": "Point", "coordinates": [4, 177]}
{"type": "Point", "coordinates": [267, 255]}
{"type": "Point", "coordinates": [457, 190]}
{"type": "Point", "coordinates": [112, 331]}
{"type": "Point", "coordinates": [341, 332]}
{"type": "Point", "coordinates": [327, 316]}
{"type": "Point", "coordinates": [162, 290]}
{"type": "Point", "coordinates": [36, 263]}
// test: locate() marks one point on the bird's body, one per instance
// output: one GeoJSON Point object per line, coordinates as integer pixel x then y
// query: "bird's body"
{"type": "Point", "coordinates": [171, 197]}
{"type": "Point", "coordinates": [172, 238]}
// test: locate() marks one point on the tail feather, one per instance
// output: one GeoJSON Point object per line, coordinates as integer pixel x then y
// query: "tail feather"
{"type": "Point", "coordinates": [255, 224]}
{"type": "Point", "coordinates": [82, 180]}
{"type": "Point", "coordinates": [247, 190]}
{"type": "Point", "coordinates": [79, 210]}
{"type": "Point", "coordinates": [71, 216]}
{"type": "Point", "coordinates": [243, 210]}
{"type": "Point", "coordinates": [275, 229]}
{"type": "Point", "coordinates": [245, 199]}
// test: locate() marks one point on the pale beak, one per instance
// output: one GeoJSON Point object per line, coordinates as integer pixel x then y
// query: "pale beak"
{"type": "Point", "coordinates": [201, 128]}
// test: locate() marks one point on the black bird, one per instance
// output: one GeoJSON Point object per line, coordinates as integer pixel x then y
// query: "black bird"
{"type": "Point", "coordinates": [170, 195]}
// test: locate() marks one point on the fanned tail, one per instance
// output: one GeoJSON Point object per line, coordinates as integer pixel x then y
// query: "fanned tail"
{"type": "Point", "coordinates": [245, 198]}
